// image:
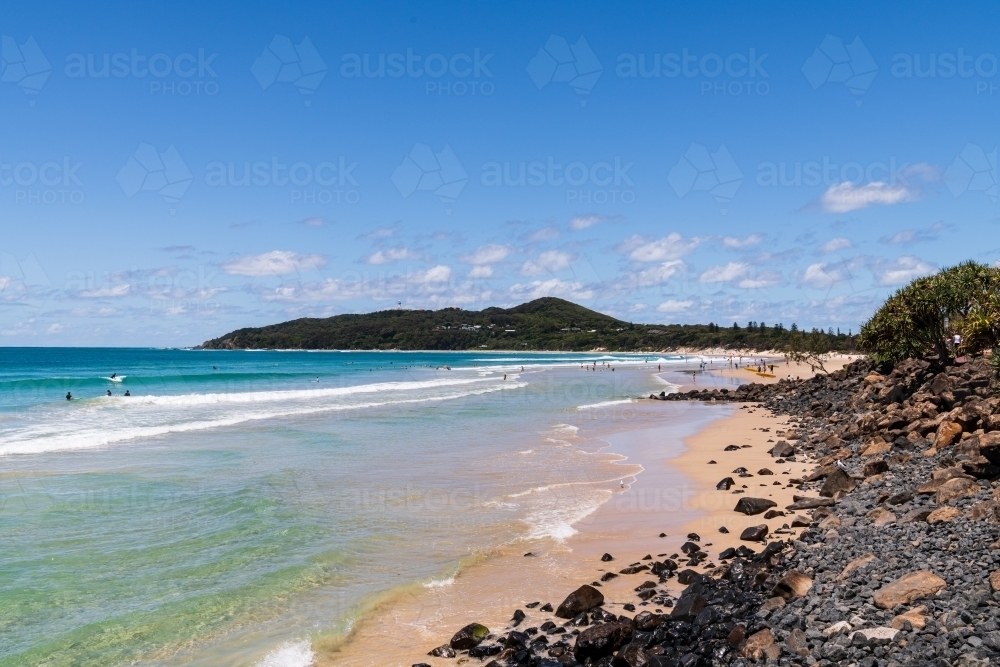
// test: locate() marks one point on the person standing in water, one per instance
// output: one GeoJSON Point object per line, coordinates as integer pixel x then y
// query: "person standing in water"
{"type": "Point", "coordinates": [127, 393]}
{"type": "Point", "coordinates": [69, 396]}
{"type": "Point", "coordinates": [109, 392]}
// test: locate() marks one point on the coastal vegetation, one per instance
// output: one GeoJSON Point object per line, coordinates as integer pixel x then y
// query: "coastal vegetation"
{"type": "Point", "coordinates": [543, 324]}
{"type": "Point", "coordinates": [925, 317]}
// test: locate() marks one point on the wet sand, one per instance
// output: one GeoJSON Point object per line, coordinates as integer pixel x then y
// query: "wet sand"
{"type": "Point", "coordinates": [667, 486]}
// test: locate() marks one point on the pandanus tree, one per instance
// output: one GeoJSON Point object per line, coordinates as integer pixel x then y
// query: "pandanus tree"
{"type": "Point", "coordinates": [921, 318]}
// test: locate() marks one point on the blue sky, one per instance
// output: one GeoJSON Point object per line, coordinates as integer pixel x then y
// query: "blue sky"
{"type": "Point", "coordinates": [169, 174]}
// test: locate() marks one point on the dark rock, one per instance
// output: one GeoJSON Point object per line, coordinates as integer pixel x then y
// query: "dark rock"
{"type": "Point", "coordinates": [601, 640]}
{"type": "Point", "coordinates": [754, 533]}
{"type": "Point", "coordinates": [725, 484]}
{"type": "Point", "coordinates": [608, 576]}
{"type": "Point", "coordinates": [875, 468]}
{"type": "Point", "coordinates": [770, 514]}
{"type": "Point", "coordinates": [810, 503]}
{"type": "Point", "coordinates": [546, 607]}
{"type": "Point", "coordinates": [726, 554]}
{"type": "Point", "coordinates": [517, 618]}
{"type": "Point", "coordinates": [782, 450]}
{"type": "Point", "coordinates": [607, 557]}
{"type": "Point", "coordinates": [685, 577]}
{"type": "Point", "coordinates": [582, 599]}
{"type": "Point", "coordinates": [900, 498]}
{"type": "Point", "coordinates": [532, 605]}
{"type": "Point", "coordinates": [836, 482]}
{"type": "Point", "coordinates": [471, 635]}
{"type": "Point", "coordinates": [443, 652]}
{"type": "Point", "coordinates": [485, 650]}
{"type": "Point", "coordinates": [632, 655]}
{"type": "Point", "coordinates": [689, 547]}
{"type": "Point", "coordinates": [634, 569]}
{"type": "Point", "coordinates": [764, 471]}
{"type": "Point", "coordinates": [751, 506]}
{"type": "Point", "coordinates": [723, 529]}
{"type": "Point", "coordinates": [731, 448]}
{"type": "Point", "coordinates": [688, 607]}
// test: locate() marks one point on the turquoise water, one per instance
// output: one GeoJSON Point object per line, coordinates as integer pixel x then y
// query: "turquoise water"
{"type": "Point", "coordinates": [241, 503]}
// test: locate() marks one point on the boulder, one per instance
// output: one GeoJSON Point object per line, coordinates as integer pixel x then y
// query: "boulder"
{"type": "Point", "coordinates": [875, 467]}
{"type": "Point", "coordinates": [947, 434]}
{"type": "Point", "coordinates": [797, 643]}
{"type": "Point", "coordinates": [943, 514]}
{"type": "Point", "coordinates": [836, 482]}
{"type": "Point", "coordinates": [957, 487]}
{"type": "Point", "coordinates": [633, 655]}
{"type": "Point", "coordinates": [754, 533]}
{"type": "Point", "coordinates": [916, 515]}
{"type": "Point", "coordinates": [582, 599]}
{"type": "Point", "coordinates": [986, 509]}
{"type": "Point", "coordinates": [751, 506]}
{"type": "Point", "coordinates": [876, 449]}
{"type": "Point", "coordinates": [995, 581]}
{"type": "Point", "coordinates": [810, 503]}
{"type": "Point", "coordinates": [854, 565]}
{"type": "Point", "coordinates": [908, 588]}
{"type": "Point", "coordinates": [915, 617]}
{"type": "Point", "coordinates": [757, 644]}
{"type": "Point", "coordinates": [471, 635]}
{"type": "Point", "coordinates": [781, 450]}
{"type": "Point", "coordinates": [881, 517]}
{"type": "Point", "coordinates": [989, 445]}
{"type": "Point", "coordinates": [725, 484]}
{"type": "Point", "coordinates": [598, 641]}
{"type": "Point", "coordinates": [443, 652]}
{"type": "Point", "coordinates": [793, 584]}
{"type": "Point", "coordinates": [688, 607]}
{"type": "Point", "coordinates": [881, 633]}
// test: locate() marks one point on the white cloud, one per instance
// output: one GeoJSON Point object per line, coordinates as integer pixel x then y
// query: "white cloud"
{"type": "Point", "coordinates": [911, 236]}
{"type": "Point", "coordinates": [54, 329]}
{"type": "Point", "coordinates": [106, 292]}
{"type": "Point", "coordinates": [315, 221]}
{"type": "Point", "coordinates": [438, 274]}
{"type": "Point", "coordinates": [674, 306]}
{"type": "Point", "coordinates": [274, 263]}
{"type": "Point", "coordinates": [833, 245]}
{"type": "Point", "coordinates": [390, 255]}
{"type": "Point", "coordinates": [4, 281]}
{"type": "Point", "coordinates": [661, 273]}
{"type": "Point", "coordinates": [823, 276]}
{"type": "Point", "coordinates": [552, 287]}
{"type": "Point", "coordinates": [762, 280]}
{"type": "Point", "coordinates": [487, 254]}
{"type": "Point", "coordinates": [484, 271]}
{"type": "Point", "coordinates": [724, 274]}
{"type": "Point", "coordinates": [903, 270]}
{"type": "Point", "coordinates": [672, 246]}
{"type": "Point", "coordinates": [583, 221]}
{"type": "Point", "coordinates": [736, 242]}
{"type": "Point", "coordinates": [846, 197]}
{"type": "Point", "coordinates": [549, 261]}
{"type": "Point", "coordinates": [544, 234]}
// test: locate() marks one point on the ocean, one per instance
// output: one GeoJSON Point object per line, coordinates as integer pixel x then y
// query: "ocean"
{"type": "Point", "coordinates": [239, 505]}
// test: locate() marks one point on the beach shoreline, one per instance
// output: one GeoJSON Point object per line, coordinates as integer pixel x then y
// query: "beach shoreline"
{"type": "Point", "coordinates": [673, 492]}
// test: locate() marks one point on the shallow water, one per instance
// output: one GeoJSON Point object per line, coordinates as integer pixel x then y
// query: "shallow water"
{"type": "Point", "coordinates": [233, 515]}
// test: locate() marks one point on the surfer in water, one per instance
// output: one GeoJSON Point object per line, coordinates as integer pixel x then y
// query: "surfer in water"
{"type": "Point", "coordinates": [114, 375]}
{"type": "Point", "coordinates": [127, 393]}
{"type": "Point", "coordinates": [69, 396]}
{"type": "Point", "coordinates": [109, 392]}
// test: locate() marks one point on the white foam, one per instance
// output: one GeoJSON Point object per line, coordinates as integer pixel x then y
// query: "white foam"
{"type": "Point", "coordinates": [292, 654]}
{"type": "Point", "coordinates": [604, 404]}
{"type": "Point", "coordinates": [439, 583]}
{"type": "Point", "coordinates": [556, 520]}
{"type": "Point", "coordinates": [122, 419]}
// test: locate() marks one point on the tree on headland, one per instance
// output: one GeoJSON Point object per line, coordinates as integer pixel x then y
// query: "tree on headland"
{"type": "Point", "coordinates": [922, 318]}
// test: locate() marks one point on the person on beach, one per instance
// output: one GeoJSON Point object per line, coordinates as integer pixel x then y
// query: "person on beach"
{"type": "Point", "coordinates": [127, 393]}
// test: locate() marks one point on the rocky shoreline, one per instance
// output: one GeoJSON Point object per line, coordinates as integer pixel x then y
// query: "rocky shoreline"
{"type": "Point", "coordinates": [899, 563]}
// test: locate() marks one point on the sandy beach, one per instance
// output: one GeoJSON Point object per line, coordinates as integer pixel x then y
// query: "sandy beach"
{"type": "Point", "coordinates": [668, 485]}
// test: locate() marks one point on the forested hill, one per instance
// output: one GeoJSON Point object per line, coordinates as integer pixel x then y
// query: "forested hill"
{"type": "Point", "coordinates": [543, 324]}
